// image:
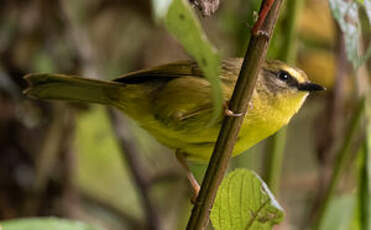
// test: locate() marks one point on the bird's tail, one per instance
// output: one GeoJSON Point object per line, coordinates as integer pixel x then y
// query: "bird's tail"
{"type": "Point", "coordinates": [70, 88]}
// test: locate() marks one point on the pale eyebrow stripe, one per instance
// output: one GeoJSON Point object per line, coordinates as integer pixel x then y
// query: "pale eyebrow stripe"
{"type": "Point", "coordinates": [296, 75]}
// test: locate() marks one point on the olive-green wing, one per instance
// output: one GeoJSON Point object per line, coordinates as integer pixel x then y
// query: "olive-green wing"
{"type": "Point", "coordinates": [185, 94]}
{"type": "Point", "coordinates": [162, 72]}
{"type": "Point", "coordinates": [170, 108]}
{"type": "Point", "coordinates": [230, 70]}
{"type": "Point", "coordinates": [184, 103]}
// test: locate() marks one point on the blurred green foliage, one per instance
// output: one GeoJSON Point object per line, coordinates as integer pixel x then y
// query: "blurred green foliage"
{"type": "Point", "coordinates": [45, 223]}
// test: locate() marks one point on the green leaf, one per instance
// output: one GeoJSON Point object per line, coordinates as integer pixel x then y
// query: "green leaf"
{"type": "Point", "coordinates": [46, 223]}
{"type": "Point", "coordinates": [346, 14]}
{"type": "Point", "coordinates": [244, 202]}
{"type": "Point", "coordinates": [183, 24]}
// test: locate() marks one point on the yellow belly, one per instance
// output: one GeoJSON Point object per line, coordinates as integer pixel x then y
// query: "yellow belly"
{"type": "Point", "coordinates": [198, 145]}
{"type": "Point", "coordinates": [196, 138]}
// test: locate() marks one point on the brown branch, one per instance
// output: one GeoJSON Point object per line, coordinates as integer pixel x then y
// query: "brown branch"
{"type": "Point", "coordinates": [265, 8]}
{"type": "Point", "coordinates": [255, 55]}
{"type": "Point", "coordinates": [130, 158]}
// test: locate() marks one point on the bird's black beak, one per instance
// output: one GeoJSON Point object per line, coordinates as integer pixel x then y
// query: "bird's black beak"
{"type": "Point", "coordinates": [309, 86]}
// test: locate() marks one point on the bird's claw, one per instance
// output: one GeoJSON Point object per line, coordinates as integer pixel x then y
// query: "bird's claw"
{"type": "Point", "coordinates": [196, 191]}
{"type": "Point", "coordinates": [230, 113]}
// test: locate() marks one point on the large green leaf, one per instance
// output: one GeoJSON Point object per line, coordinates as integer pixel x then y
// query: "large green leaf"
{"type": "Point", "coordinates": [244, 202]}
{"type": "Point", "coordinates": [46, 223]}
{"type": "Point", "coordinates": [183, 24]}
{"type": "Point", "coordinates": [346, 14]}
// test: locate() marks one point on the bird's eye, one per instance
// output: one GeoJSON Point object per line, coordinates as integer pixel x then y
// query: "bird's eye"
{"type": "Point", "coordinates": [284, 76]}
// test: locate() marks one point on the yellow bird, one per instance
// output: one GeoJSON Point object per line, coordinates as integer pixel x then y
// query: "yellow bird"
{"type": "Point", "coordinates": [173, 102]}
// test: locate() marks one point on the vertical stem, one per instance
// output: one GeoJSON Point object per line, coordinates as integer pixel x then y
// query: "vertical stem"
{"type": "Point", "coordinates": [277, 143]}
{"type": "Point", "coordinates": [274, 160]}
{"type": "Point", "coordinates": [47, 159]}
{"type": "Point", "coordinates": [48, 156]}
{"type": "Point", "coordinates": [217, 167]}
{"type": "Point", "coordinates": [363, 187]}
{"type": "Point", "coordinates": [289, 47]}
{"type": "Point", "coordinates": [340, 163]}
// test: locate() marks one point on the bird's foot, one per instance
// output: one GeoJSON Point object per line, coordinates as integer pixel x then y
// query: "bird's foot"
{"type": "Point", "coordinates": [191, 179]}
{"type": "Point", "coordinates": [230, 113]}
{"type": "Point", "coordinates": [196, 191]}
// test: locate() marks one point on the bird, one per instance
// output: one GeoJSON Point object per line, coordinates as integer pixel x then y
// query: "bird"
{"type": "Point", "coordinates": [173, 102]}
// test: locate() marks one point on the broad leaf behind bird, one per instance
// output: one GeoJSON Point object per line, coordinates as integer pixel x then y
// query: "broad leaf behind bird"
{"type": "Point", "coordinates": [173, 102]}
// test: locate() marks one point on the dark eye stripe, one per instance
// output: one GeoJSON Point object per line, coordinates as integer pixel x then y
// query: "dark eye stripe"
{"type": "Point", "coordinates": [286, 77]}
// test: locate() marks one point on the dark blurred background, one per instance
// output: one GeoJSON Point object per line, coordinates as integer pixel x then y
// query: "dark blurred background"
{"type": "Point", "coordinates": [65, 160]}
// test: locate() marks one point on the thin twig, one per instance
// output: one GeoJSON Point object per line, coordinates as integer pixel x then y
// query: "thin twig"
{"type": "Point", "coordinates": [46, 160]}
{"type": "Point", "coordinates": [130, 157]}
{"type": "Point", "coordinates": [217, 167]}
{"type": "Point", "coordinates": [48, 156]}
{"type": "Point", "coordinates": [274, 159]}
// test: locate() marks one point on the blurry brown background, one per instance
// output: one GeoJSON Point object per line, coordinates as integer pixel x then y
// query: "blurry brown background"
{"type": "Point", "coordinates": [64, 159]}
